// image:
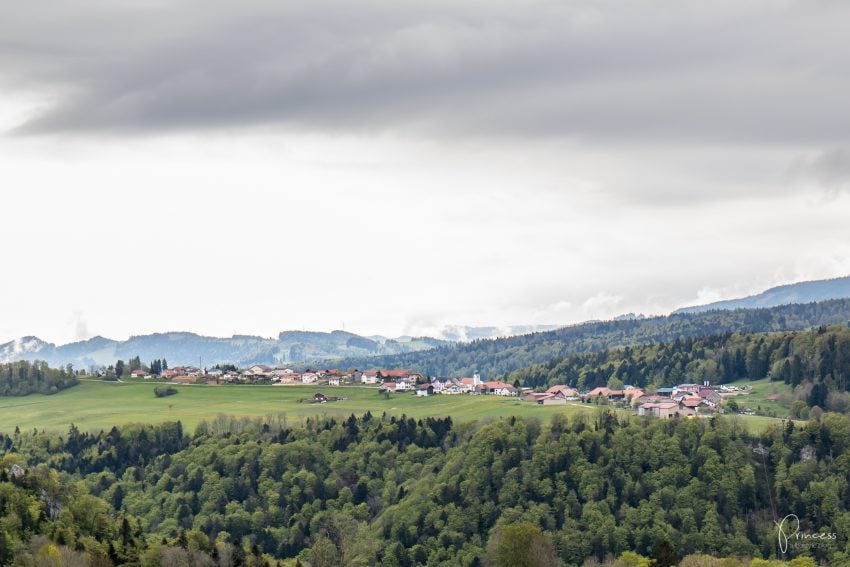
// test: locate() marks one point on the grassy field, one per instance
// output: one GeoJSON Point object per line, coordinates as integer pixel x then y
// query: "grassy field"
{"type": "Point", "coordinates": [756, 397]}
{"type": "Point", "coordinates": [100, 405]}
{"type": "Point", "coordinates": [94, 405]}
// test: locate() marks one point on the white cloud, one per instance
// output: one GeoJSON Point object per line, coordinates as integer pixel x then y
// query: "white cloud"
{"type": "Point", "coordinates": [289, 166]}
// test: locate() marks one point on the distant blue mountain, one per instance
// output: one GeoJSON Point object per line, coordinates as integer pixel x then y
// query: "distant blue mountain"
{"type": "Point", "coordinates": [802, 292]}
{"type": "Point", "coordinates": [190, 348]}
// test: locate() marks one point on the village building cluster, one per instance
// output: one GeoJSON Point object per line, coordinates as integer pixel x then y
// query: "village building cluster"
{"type": "Point", "coordinates": [684, 400]}
{"type": "Point", "coordinates": [679, 401]}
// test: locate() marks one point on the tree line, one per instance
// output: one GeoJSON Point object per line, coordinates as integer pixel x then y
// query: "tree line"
{"type": "Point", "coordinates": [495, 357]}
{"type": "Point", "coordinates": [815, 363]}
{"type": "Point", "coordinates": [382, 490]}
{"type": "Point", "coordinates": [23, 378]}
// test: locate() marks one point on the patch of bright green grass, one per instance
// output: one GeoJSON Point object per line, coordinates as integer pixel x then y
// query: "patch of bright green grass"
{"type": "Point", "coordinates": [94, 405]}
{"type": "Point", "coordinates": [100, 405]}
{"type": "Point", "coordinates": [757, 397]}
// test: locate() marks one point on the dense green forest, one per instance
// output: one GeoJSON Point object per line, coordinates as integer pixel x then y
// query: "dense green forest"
{"type": "Point", "coordinates": [22, 378]}
{"type": "Point", "coordinates": [816, 363]}
{"type": "Point", "coordinates": [399, 492]}
{"type": "Point", "coordinates": [499, 356]}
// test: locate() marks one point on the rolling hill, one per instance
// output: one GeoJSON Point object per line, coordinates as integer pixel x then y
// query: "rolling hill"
{"type": "Point", "coordinates": [497, 357]}
{"type": "Point", "coordinates": [802, 292]}
{"type": "Point", "coordinates": [190, 348]}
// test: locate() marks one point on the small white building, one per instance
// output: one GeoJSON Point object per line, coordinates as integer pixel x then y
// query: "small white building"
{"type": "Point", "coordinates": [424, 390]}
{"type": "Point", "coordinates": [369, 377]}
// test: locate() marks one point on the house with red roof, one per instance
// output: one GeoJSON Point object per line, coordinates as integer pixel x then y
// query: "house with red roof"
{"type": "Point", "coordinates": [564, 391]}
{"type": "Point", "coordinates": [608, 393]}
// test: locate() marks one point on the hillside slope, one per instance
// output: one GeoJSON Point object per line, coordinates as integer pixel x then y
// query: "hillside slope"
{"type": "Point", "coordinates": [802, 292]}
{"type": "Point", "coordinates": [500, 356]}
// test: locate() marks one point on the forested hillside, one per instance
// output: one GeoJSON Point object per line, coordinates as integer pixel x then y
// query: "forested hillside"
{"type": "Point", "coordinates": [22, 378]}
{"type": "Point", "coordinates": [500, 356]}
{"type": "Point", "coordinates": [398, 492]}
{"type": "Point", "coordinates": [816, 362]}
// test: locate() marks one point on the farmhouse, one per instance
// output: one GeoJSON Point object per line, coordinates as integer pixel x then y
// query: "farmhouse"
{"type": "Point", "coordinates": [659, 409]}
{"type": "Point", "coordinates": [425, 390]}
{"type": "Point", "coordinates": [611, 395]}
{"type": "Point", "coordinates": [400, 374]}
{"type": "Point", "coordinates": [692, 402]}
{"type": "Point", "coordinates": [633, 393]}
{"type": "Point", "coordinates": [259, 370]}
{"type": "Point", "coordinates": [564, 391]}
{"type": "Point", "coordinates": [447, 386]}
{"type": "Point", "coordinates": [545, 398]}
{"type": "Point", "coordinates": [499, 389]}
{"type": "Point", "coordinates": [666, 409]}
{"type": "Point", "coordinates": [711, 399]}
{"type": "Point", "coordinates": [369, 377]}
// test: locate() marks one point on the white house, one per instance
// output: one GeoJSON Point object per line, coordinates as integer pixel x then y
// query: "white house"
{"type": "Point", "coordinates": [369, 377]}
{"type": "Point", "coordinates": [424, 390]}
{"type": "Point", "coordinates": [500, 389]}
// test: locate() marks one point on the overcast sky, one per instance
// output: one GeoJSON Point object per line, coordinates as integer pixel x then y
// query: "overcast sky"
{"type": "Point", "coordinates": [394, 166]}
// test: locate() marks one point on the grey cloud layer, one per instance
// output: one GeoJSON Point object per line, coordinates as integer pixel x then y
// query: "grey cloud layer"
{"type": "Point", "coordinates": [764, 71]}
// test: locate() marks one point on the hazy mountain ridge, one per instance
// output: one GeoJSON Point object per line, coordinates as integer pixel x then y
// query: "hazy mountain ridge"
{"type": "Point", "coordinates": [289, 346]}
{"type": "Point", "coordinates": [800, 292]}
{"type": "Point", "coordinates": [191, 348]}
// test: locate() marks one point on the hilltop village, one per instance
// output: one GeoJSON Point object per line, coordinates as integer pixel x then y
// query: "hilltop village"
{"type": "Point", "coordinates": [684, 400]}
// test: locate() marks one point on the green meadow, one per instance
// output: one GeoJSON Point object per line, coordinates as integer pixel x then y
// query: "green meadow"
{"type": "Point", "coordinates": [757, 398]}
{"type": "Point", "coordinates": [100, 405]}
{"type": "Point", "coordinates": [94, 405]}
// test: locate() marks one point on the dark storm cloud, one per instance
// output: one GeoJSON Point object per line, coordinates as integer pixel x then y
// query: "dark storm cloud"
{"type": "Point", "coordinates": [693, 72]}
